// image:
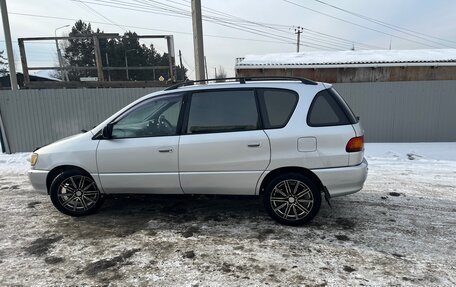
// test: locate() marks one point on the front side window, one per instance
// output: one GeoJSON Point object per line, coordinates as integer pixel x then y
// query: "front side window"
{"type": "Point", "coordinates": [222, 111]}
{"type": "Point", "coordinates": [155, 117]}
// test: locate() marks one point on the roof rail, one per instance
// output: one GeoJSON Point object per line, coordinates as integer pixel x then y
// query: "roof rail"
{"type": "Point", "coordinates": [243, 80]}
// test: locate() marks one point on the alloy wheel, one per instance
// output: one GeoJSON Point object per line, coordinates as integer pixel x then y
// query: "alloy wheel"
{"type": "Point", "coordinates": [78, 193]}
{"type": "Point", "coordinates": [291, 199]}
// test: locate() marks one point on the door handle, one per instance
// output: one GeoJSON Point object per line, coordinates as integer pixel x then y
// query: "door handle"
{"type": "Point", "coordinates": [253, 145]}
{"type": "Point", "coordinates": [166, 149]}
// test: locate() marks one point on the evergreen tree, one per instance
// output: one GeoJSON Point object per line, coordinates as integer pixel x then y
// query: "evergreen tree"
{"type": "Point", "coordinates": [80, 53]}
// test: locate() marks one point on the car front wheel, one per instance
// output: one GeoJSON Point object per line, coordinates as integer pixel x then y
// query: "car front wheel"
{"type": "Point", "coordinates": [75, 193]}
{"type": "Point", "coordinates": [292, 199]}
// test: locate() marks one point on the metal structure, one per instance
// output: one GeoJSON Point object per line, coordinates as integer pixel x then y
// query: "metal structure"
{"type": "Point", "coordinates": [9, 45]}
{"type": "Point", "coordinates": [101, 82]}
{"type": "Point", "coordinates": [421, 111]}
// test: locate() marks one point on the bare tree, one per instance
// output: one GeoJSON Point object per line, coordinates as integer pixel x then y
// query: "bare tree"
{"type": "Point", "coordinates": [221, 74]}
{"type": "Point", "coordinates": [60, 74]}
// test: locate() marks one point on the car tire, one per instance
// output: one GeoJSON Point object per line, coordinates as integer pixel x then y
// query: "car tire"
{"type": "Point", "coordinates": [292, 199]}
{"type": "Point", "coordinates": [75, 193]}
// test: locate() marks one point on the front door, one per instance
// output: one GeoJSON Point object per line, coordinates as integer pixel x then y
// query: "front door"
{"type": "Point", "coordinates": [223, 148]}
{"type": "Point", "coordinates": [142, 155]}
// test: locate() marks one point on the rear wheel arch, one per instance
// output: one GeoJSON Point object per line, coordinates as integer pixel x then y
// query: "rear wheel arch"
{"type": "Point", "coordinates": [58, 170]}
{"type": "Point", "coordinates": [290, 169]}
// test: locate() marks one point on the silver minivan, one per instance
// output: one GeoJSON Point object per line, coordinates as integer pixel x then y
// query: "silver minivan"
{"type": "Point", "coordinates": [287, 140]}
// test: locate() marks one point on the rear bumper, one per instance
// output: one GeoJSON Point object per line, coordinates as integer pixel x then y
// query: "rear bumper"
{"type": "Point", "coordinates": [38, 180]}
{"type": "Point", "coordinates": [343, 180]}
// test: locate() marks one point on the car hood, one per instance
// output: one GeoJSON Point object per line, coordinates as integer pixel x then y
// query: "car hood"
{"type": "Point", "coordinates": [64, 143]}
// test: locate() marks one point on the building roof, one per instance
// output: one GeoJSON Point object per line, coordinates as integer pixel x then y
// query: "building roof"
{"type": "Point", "coordinates": [5, 80]}
{"type": "Point", "coordinates": [357, 58]}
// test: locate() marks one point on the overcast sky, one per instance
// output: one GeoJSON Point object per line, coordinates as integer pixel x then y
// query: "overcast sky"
{"type": "Point", "coordinates": [270, 29]}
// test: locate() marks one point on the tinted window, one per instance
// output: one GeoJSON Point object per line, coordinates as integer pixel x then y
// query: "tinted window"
{"type": "Point", "coordinates": [344, 106]}
{"type": "Point", "coordinates": [156, 117]}
{"type": "Point", "coordinates": [222, 111]}
{"type": "Point", "coordinates": [277, 106]}
{"type": "Point", "coordinates": [326, 110]}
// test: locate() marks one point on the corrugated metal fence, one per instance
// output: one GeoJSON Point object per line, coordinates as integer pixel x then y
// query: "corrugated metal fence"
{"type": "Point", "coordinates": [33, 118]}
{"type": "Point", "coordinates": [422, 111]}
{"type": "Point", "coordinates": [390, 112]}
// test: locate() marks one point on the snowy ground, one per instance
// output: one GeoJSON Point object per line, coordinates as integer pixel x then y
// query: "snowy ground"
{"type": "Point", "coordinates": [400, 230]}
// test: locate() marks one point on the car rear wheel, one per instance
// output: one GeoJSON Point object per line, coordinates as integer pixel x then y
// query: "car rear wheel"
{"type": "Point", "coordinates": [75, 193]}
{"type": "Point", "coordinates": [292, 199]}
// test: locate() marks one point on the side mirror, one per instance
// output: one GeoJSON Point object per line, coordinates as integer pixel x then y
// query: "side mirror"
{"type": "Point", "coordinates": [106, 132]}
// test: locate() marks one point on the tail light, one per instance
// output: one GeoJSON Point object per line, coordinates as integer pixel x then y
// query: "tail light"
{"type": "Point", "coordinates": [355, 144]}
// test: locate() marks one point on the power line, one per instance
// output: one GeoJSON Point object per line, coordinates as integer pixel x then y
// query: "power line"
{"type": "Point", "coordinates": [222, 22]}
{"type": "Point", "coordinates": [319, 39]}
{"type": "Point", "coordinates": [358, 25]}
{"type": "Point", "coordinates": [166, 9]}
{"type": "Point", "coordinates": [226, 24]}
{"type": "Point", "coordinates": [269, 25]}
{"type": "Point", "coordinates": [101, 15]}
{"type": "Point", "coordinates": [388, 25]}
{"type": "Point", "coordinates": [135, 27]}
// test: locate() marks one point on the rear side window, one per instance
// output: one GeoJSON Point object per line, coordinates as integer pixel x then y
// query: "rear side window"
{"type": "Point", "coordinates": [329, 109]}
{"type": "Point", "coordinates": [222, 111]}
{"type": "Point", "coordinates": [277, 106]}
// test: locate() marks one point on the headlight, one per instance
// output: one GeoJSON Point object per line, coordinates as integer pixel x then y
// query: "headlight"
{"type": "Point", "coordinates": [34, 159]}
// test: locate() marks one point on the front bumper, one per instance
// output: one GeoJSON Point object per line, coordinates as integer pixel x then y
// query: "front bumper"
{"type": "Point", "coordinates": [38, 180]}
{"type": "Point", "coordinates": [343, 180]}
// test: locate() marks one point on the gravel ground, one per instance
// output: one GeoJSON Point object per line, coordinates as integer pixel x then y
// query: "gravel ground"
{"type": "Point", "coordinates": [400, 230]}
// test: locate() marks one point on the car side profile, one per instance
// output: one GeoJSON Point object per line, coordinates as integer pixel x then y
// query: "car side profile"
{"type": "Point", "coordinates": [287, 140]}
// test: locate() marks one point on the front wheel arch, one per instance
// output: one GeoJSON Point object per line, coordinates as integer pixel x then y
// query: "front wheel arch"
{"type": "Point", "coordinates": [58, 170]}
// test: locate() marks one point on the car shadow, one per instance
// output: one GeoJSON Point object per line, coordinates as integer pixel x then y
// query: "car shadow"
{"type": "Point", "coordinates": [211, 215]}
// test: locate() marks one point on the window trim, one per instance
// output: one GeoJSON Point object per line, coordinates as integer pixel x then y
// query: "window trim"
{"type": "Point", "coordinates": [337, 100]}
{"type": "Point", "coordinates": [184, 130]}
{"type": "Point", "coordinates": [98, 136]}
{"type": "Point", "coordinates": [263, 109]}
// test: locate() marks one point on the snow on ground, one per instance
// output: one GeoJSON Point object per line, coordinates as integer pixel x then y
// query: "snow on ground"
{"type": "Point", "coordinates": [400, 230]}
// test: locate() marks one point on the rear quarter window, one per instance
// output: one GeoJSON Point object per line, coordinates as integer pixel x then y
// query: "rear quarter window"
{"type": "Point", "coordinates": [329, 109]}
{"type": "Point", "coordinates": [277, 106]}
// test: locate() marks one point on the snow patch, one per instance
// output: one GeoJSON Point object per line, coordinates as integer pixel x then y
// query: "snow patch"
{"type": "Point", "coordinates": [350, 57]}
{"type": "Point", "coordinates": [443, 151]}
{"type": "Point", "coordinates": [14, 164]}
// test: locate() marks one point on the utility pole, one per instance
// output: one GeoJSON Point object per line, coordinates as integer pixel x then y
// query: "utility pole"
{"type": "Point", "coordinates": [298, 31]}
{"type": "Point", "coordinates": [198, 39]}
{"type": "Point", "coordinates": [215, 72]}
{"type": "Point", "coordinates": [9, 45]}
